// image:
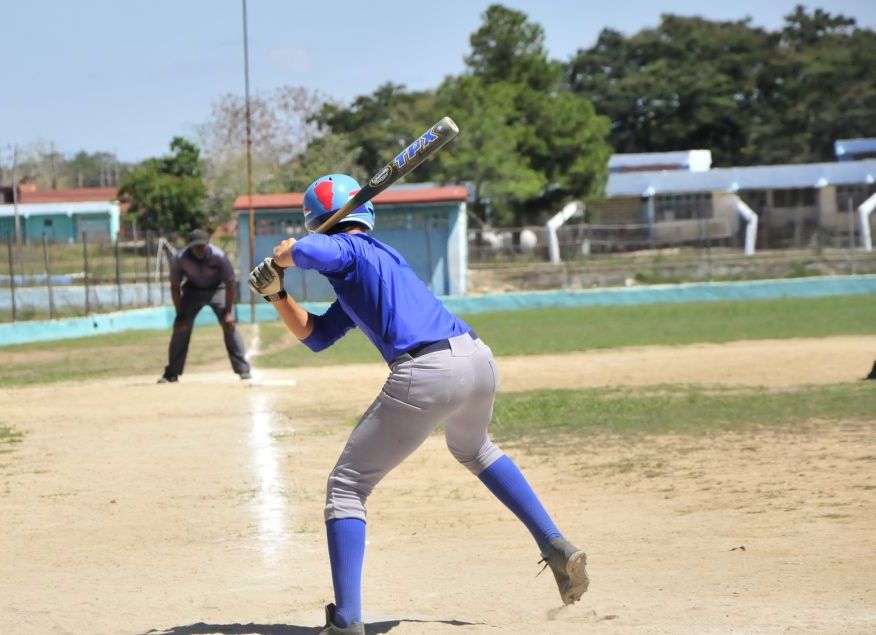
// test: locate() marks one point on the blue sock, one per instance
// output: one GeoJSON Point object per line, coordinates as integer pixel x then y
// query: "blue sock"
{"type": "Point", "coordinates": [346, 544]}
{"type": "Point", "coordinates": [505, 480]}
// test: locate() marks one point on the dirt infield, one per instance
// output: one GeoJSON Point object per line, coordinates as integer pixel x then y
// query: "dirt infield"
{"type": "Point", "coordinates": [196, 508]}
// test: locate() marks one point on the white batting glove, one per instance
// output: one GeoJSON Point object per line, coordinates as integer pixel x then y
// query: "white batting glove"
{"type": "Point", "coordinates": [267, 281]}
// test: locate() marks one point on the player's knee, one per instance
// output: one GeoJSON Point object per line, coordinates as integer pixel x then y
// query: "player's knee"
{"type": "Point", "coordinates": [463, 455]}
{"type": "Point", "coordinates": [345, 495]}
{"type": "Point", "coordinates": [475, 457]}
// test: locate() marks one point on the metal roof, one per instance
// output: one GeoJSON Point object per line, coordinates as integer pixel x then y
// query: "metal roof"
{"type": "Point", "coordinates": [26, 210]}
{"type": "Point", "coordinates": [69, 195]}
{"type": "Point", "coordinates": [764, 177]}
{"type": "Point", "coordinates": [393, 196]}
{"type": "Point", "coordinates": [682, 159]}
{"type": "Point", "coordinates": [843, 147]}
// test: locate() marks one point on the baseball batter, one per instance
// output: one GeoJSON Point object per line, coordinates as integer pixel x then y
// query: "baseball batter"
{"type": "Point", "coordinates": [440, 371]}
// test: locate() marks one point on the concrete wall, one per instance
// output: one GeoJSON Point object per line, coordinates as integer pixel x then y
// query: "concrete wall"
{"type": "Point", "coordinates": [828, 216]}
{"type": "Point", "coordinates": [614, 211]}
{"type": "Point", "coordinates": [724, 207]}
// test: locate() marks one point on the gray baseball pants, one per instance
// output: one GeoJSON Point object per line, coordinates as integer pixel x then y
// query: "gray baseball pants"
{"type": "Point", "coordinates": [455, 386]}
{"type": "Point", "coordinates": [193, 300]}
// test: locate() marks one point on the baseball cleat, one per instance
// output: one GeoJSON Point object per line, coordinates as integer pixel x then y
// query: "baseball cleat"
{"type": "Point", "coordinates": [167, 379]}
{"type": "Point", "coordinates": [330, 628]}
{"type": "Point", "coordinates": [569, 566]}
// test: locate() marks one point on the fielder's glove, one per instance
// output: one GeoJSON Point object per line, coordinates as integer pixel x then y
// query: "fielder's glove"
{"type": "Point", "coordinates": [267, 281]}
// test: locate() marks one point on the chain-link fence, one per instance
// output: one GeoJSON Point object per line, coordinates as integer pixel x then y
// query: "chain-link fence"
{"type": "Point", "coordinates": [578, 240]}
{"type": "Point", "coordinates": [45, 279]}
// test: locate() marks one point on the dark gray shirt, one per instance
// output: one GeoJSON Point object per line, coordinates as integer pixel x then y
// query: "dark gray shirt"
{"type": "Point", "coordinates": [208, 273]}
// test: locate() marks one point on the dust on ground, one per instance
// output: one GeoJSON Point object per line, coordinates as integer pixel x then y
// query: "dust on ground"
{"type": "Point", "coordinates": [196, 508]}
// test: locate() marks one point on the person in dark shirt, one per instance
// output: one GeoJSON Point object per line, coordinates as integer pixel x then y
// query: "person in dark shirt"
{"type": "Point", "coordinates": [202, 274]}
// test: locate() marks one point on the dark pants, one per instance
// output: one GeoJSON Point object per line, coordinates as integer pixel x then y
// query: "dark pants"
{"type": "Point", "coordinates": [193, 300]}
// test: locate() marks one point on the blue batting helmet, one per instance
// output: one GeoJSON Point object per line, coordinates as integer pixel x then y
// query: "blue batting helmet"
{"type": "Point", "coordinates": [327, 194]}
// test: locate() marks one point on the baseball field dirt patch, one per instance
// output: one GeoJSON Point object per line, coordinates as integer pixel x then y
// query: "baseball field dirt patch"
{"type": "Point", "coordinates": [196, 508]}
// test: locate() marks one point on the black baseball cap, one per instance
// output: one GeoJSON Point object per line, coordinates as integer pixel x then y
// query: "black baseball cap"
{"type": "Point", "coordinates": [198, 237]}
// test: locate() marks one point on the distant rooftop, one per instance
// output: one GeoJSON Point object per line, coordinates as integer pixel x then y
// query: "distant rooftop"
{"type": "Point", "coordinates": [69, 195]}
{"type": "Point", "coordinates": [851, 149]}
{"type": "Point", "coordinates": [26, 210]}
{"type": "Point", "coordinates": [396, 195]}
{"type": "Point", "coordinates": [688, 160]}
{"type": "Point", "coordinates": [763, 177]}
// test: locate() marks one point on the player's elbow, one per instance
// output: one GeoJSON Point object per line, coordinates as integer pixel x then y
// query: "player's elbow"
{"type": "Point", "coordinates": [316, 343]}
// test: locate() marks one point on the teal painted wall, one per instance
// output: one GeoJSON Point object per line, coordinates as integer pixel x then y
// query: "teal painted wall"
{"type": "Point", "coordinates": [420, 233]}
{"type": "Point", "coordinates": [60, 229]}
{"type": "Point", "coordinates": [98, 225]}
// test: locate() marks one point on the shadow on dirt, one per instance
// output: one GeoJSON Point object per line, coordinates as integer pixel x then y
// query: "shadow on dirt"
{"type": "Point", "coordinates": [202, 628]}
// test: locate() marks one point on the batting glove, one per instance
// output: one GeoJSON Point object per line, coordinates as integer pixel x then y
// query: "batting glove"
{"type": "Point", "coordinates": [267, 281]}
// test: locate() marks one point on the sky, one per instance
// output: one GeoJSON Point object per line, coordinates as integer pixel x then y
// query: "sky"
{"type": "Point", "coordinates": [127, 76]}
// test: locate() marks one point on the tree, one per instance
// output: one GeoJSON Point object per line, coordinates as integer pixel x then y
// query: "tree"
{"type": "Point", "coordinates": [167, 194]}
{"type": "Point", "coordinates": [283, 126]}
{"type": "Point", "coordinates": [817, 88]}
{"type": "Point", "coordinates": [748, 95]}
{"type": "Point", "coordinates": [533, 143]}
{"type": "Point", "coordinates": [380, 125]}
{"type": "Point", "coordinates": [509, 48]}
{"type": "Point", "coordinates": [690, 83]}
{"type": "Point", "coordinates": [486, 155]}
{"type": "Point", "coordinates": [95, 169]}
{"type": "Point", "coordinates": [325, 155]}
{"type": "Point", "coordinates": [42, 164]}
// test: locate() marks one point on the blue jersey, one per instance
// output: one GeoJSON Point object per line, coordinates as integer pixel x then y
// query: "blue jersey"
{"type": "Point", "coordinates": [377, 291]}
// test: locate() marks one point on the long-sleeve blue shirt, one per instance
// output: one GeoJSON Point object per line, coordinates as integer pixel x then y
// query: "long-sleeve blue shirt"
{"type": "Point", "coordinates": [377, 291]}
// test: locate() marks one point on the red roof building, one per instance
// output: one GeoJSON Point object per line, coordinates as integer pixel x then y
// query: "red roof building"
{"type": "Point", "coordinates": [426, 224]}
{"type": "Point", "coordinates": [68, 195]}
{"type": "Point", "coordinates": [419, 196]}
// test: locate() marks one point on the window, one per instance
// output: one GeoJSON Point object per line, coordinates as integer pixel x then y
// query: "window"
{"type": "Point", "coordinates": [399, 219]}
{"type": "Point", "coordinates": [289, 224]}
{"type": "Point", "coordinates": [798, 197]}
{"type": "Point", "coordinates": [755, 199]}
{"type": "Point", "coordinates": [682, 206]}
{"type": "Point", "coordinates": [854, 194]}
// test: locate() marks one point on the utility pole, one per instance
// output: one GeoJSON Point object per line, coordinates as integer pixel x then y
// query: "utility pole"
{"type": "Point", "coordinates": [52, 163]}
{"type": "Point", "coordinates": [15, 196]}
{"type": "Point", "coordinates": [248, 163]}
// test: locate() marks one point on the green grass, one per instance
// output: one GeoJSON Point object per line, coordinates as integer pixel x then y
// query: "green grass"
{"type": "Point", "coordinates": [116, 355]}
{"type": "Point", "coordinates": [675, 409]}
{"type": "Point", "coordinates": [564, 330]}
{"type": "Point", "coordinates": [528, 332]}
{"type": "Point", "coordinates": [576, 329]}
{"type": "Point", "coordinates": [353, 348]}
{"type": "Point", "coordinates": [8, 436]}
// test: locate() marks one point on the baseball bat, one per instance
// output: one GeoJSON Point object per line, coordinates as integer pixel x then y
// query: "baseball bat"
{"type": "Point", "coordinates": [425, 146]}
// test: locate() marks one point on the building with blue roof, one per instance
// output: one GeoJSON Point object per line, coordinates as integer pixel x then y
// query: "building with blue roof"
{"type": "Point", "coordinates": [854, 149]}
{"type": "Point", "coordinates": [794, 204]}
